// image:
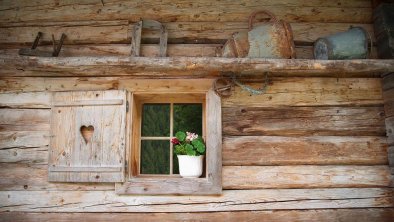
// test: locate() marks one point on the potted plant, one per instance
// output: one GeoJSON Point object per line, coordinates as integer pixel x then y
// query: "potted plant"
{"type": "Point", "coordinates": [190, 149]}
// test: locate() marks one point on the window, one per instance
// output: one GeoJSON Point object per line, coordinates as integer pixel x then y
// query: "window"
{"type": "Point", "coordinates": [155, 119]}
{"type": "Point", "coordinates": [124, 137]}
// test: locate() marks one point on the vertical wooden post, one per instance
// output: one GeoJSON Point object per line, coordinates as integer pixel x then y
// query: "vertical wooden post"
{"type": "Point", "coordinates": [388, 97]}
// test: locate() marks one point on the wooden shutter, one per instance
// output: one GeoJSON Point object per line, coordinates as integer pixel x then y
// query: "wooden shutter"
{"type": "Point", "coordinates": [88, 136]}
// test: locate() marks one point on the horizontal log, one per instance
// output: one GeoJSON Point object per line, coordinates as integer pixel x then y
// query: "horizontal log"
{"type": "Point", "coordinates": [24, 119]}
{"type": "Point", "coordinates": [9, 4]}
{"type": "Point", "coordinates": [166, 11]}
{"type": "Point", "coordinates": [231, 200]}
{"type": "Point", "coordinates": [306, 121]}
{"type": "Point", "coordinates": [281, 92]}
{"type": "Point", "coordinates": [318, 150]}
{"type": "Point", "coordinates": [310, 92]}
{"type": "Point", "coordinates": [391, 156]}
{"type": "Point", "coordinates": [260, 150]}
{"type": "Point", "coordinates": [25, 100]}
{"type": "Point", "coordinates": [30, 155]}
{"type": "Point", "coordinates": [185, 66]}
{"type": "Point", "coordinates": [326, 215]}
{"type": "Point", "coordinates": [22, 139]}
{"type": "Point", "coordinates": [35, 177]}
{"type": "Point", "coordinates": [257, 177]}
{"type": "Point", "coordinates": [106, 32]}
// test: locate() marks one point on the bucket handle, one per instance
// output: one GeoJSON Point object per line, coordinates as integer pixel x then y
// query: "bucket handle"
{"type": "Point", "coordinates": [253, 15]}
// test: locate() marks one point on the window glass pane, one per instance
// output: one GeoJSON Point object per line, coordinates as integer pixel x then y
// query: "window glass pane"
{"type": "Point", "coordinates": [156, 120]}
{"type": "Point", "coordinates": [155, 157]}
{"type": "Point", "coordinates": [188, 117]}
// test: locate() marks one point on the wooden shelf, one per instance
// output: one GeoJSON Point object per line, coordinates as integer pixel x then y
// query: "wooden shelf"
{"type": "Point", "coordinates": [188, 66]}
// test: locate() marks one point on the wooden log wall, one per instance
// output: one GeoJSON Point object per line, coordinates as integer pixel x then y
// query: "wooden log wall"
{"type": "Point", "coordinates": [310, 149]}
{"type": "Point", "coordinates": [388, 96]}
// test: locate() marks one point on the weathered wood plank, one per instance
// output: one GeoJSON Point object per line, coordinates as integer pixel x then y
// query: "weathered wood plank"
{"type": "Point", "coordinates": [35, 177]}
{"type": "Point", "coordinates": [192, 66]}
{"type": "Point", "coordinates": [231, 200]}
{"type": "Point", "coordinates": [388, 81]}
{"type": "Point", "coordinates": [10, 4]}
{"type": "Point", "coordinates": [106, 32]}
{"type": "Point", "coordinates": [310, 92]}
{"type": "Point", "coordinates": [166, 11]}
{"type": "Point", "coordinates": [390, 130]}
{"type": "Point", "coordinates": [256, 177]}
{"type": "Point", "coordinates": [388, 98]}
{"type": "Point", "coordinates": [30, 155]}
{"type": "Point", "coordinates": [327, 215]}
{"type": "Point", "coordinates": [282, 91]}
{"type": "Point", "coordinates": [391, 156]}
{"type": "Point", "coordinates": [296, 121]}
{"type": "Point", "coordinates": [37, 84]}
{"type": "Point", "coordinates": [24, 119]}
{"type": "Point", "coordinates": [21, 139]}
{"type": "Point", "coordinates": [25, 100]}
{"type": "Point", "coordinates": [318, 150]}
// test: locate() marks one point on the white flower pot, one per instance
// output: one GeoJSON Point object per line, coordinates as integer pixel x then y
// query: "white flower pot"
{"type": "Point", "coordinates": [190, 166]}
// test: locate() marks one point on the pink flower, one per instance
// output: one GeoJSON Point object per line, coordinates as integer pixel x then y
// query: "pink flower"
{"type": "Point", "coordinates": [191, 136]}
{"type": "Point", "coordinates": [174, 141]}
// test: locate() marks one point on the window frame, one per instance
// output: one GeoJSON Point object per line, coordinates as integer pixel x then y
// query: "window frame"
{"type": "Point", "coordinates": [174, 185]}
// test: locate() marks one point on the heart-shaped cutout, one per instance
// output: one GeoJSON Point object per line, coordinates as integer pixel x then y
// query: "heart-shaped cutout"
{"type": "Point", "coordinates": [87, 132]}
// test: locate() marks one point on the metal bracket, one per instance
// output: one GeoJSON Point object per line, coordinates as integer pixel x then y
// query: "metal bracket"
{"type": "Point", "coordinates": [35, 52]}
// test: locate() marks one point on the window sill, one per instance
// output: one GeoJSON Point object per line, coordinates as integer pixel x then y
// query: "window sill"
{"type": "Point", "coordinates": [169, 186]}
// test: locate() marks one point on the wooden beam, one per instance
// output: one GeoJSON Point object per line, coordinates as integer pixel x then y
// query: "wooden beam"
{"type": "Point", "coordinates": [318, 150]}
{"type": "Point", "coordinates": [303, 121]}
{"type": "Point", "coordinates": [310, 92]}
{"type": "Point", "coordinates": [230, 200]}
{"type": "Point", "coordinates": [186, 66]}
{"type": "Point", "coordinates": [322, 215]}
{"type": "Point", "coordinates": [257, 177]}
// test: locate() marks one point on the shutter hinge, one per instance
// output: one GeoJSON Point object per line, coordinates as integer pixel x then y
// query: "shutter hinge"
{"type": "Point", "coordinates": [127, 106]}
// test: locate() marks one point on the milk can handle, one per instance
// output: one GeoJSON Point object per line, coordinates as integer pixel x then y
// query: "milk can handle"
{"type": "Point", "coordinates": [253, 15]}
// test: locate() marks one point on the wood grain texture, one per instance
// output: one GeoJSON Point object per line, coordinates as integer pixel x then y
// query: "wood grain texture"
{"type": "Point", "coordinates": [301, 121]}
{"type": "Point", "coordinates": [231, 200]}
{"type": "Point", "coordinates": [38, 84]}
{"type": "Point", "coordinates": [30, 155]}
{"type": "Point", "coordinates": [388, 98]}
{"type": "Point", "coordinates": [107, 32]}
{"type": "Point", "coordinates": [25, 100]}
{"type": "Point", "coordinates": [329, 215]}
{"type": "Point", "coordinates": [166, 11]}
{"type": "Point", "coordinates": [69, 145]}
{"type": "Point", "coordinates": [390, 130]}
{"type": "Point", "coordinates": [315, 150]}
{"type": "Point", "coordinates": [310, 92]}
{"type": "Point", "coordinates": [257, 177]}
{"type": "Point", "coordinates": [185, 66]}
{"type": "Point", "coordinates": [388, 81]}
{"type": "Point", "coordinates": [22, 139]}
{"type": "Point", "coordinates": [35, 177]}
{"type": "Point", "coordinates": [24, 120]}
{"type": "Point", "coordinates": [281, 91]}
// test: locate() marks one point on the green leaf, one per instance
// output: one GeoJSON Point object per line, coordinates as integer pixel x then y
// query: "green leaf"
{"type": "Point", "coordinates": [180, 150]}
{"type": "Point", "coordinates": [181, 136]}
{"type": "Point", "coordinates": [189, 150]}
{"type": "Point", "coordinates": [199, 145]}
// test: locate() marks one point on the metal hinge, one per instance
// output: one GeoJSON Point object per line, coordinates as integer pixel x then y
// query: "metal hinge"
{"type": "Point", "coordinates": [127, 106]}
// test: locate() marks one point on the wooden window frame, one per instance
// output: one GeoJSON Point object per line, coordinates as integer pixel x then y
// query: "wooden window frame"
{"type": "Point", "coordinates": [174, 185]}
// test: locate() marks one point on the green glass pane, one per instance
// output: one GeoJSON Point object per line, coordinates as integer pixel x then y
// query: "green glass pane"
{"type": "Point", "coordinates": [175, 163]}
{"type": "Point", "coordinates": [155, 157]}
{"type": "Point", "coordinates": [156, 120]}
{"type": "Point", "coordinates": [188, 117]}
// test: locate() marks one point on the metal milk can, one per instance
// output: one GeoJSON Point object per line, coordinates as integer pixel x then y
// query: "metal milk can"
{"type": "Point", "coordinates": [271, 39]}
{"type": "Point", "coordinates": [352, 44]}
